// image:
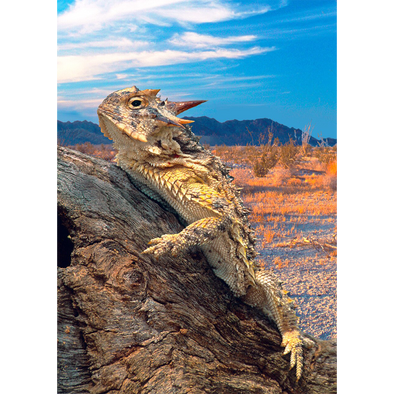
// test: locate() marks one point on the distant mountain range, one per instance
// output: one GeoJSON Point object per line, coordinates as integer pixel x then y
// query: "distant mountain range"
{"type": "Point", "coordinates": [72, 133]}
{"type": "Point", "coordinates": [211, 131]}
{"type": "Point", "coordinates": [242, 132]}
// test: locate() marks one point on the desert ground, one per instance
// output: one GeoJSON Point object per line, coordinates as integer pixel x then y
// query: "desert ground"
{"type": "Point", "coordinates": [293, 211]}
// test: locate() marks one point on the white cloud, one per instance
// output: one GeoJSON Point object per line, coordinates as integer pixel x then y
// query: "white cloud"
{"type": "Point", "coordinates": [87, 67]}
{"type": "Point", "coordinates": [195, 13]}
{"type": "Point", "coordinates": [123, 43]}
{"type": "Point", "coordinates": [112, 36]}
{"type": "Point", "coordinates": [86, 16]}
{"type": "Point", "coordinates": [80, 104]}
{"type": "Point", "coordinates": [195, 40]}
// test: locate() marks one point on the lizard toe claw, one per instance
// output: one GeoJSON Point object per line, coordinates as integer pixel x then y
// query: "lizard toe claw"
{"type": "Point", "coordinates": [293, 344]}
{"type": "Point", "coordinates": [162, 245]}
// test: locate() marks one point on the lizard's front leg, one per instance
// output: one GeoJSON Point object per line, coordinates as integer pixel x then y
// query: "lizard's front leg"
{"type": "Point", "coordinates": [197, 233]}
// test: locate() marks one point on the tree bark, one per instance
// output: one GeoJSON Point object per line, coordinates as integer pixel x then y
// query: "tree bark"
{"type": "Point", "coordinates": [128, 323]}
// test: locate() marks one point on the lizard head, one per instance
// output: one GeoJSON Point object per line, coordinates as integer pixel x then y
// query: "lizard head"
{"type": "Point", "coordinates": [142, 124]}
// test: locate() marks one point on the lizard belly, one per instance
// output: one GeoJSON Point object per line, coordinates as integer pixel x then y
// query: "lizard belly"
{"type": "Point", "coordinates": [190, 211]}
{"type": "Point", "coordinates": [220, 254]}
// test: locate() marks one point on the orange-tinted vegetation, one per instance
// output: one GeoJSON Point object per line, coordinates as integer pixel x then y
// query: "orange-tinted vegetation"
{"type": "Point", "coordinates": [106, 152]}
{"type": "Point", "coordinates": [293, 211]}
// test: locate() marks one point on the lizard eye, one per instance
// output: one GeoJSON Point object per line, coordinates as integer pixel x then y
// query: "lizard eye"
{"type": "Point", "coordinates": [137, 103]}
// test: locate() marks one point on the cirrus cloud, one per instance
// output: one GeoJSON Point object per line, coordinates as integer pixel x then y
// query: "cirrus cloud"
{"type": "Point", "coordinates": [87, 67]}
{"type": "Point", "coordinates": [195, 40]}
{"type": "Point", "coordinates": [86, 16]}
{"type": "Point", "coordinates": [96, 37]}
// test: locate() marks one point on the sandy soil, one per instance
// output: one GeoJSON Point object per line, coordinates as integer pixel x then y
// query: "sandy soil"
{"type": "Point", "coordinates": [308, 271]}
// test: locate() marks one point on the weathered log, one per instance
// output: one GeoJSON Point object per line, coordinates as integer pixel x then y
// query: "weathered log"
{"type": "Point", "coordinates": [129, 323]}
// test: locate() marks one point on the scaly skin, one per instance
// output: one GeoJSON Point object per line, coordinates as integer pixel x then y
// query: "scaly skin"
{"type": "Point", "coordinates": [165, 160]}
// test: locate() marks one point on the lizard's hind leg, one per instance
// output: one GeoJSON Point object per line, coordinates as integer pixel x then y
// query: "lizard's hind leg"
{"type": "Point", "coordinates": [268, 296]}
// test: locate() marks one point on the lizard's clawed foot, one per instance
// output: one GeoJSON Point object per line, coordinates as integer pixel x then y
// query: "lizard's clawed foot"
{"type": "Point", "coordinates": [293, 344]}
{"type": "Point", "coordinates": [167, 243]}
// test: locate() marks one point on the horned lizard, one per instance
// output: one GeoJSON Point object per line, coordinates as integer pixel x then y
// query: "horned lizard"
{"type": "Point", "coordinates": [165, 160]}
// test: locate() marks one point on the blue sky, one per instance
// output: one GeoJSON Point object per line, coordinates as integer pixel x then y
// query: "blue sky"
{"type": "Point", "coordinates": [249, 59]}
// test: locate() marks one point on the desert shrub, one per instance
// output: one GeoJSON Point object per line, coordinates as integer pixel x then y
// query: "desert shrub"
{"type": "Point", "coordinates": [267, 156]}
{"type": "Point", "coordinates": [102, 151]}
{"type": "Point", "coordinates": [281, 176]}
{"type": "Point", "coordinates": [86, 147]}
{"type": "Point", "coordinates": [325, 154]}
{"type": "Point", "coordinates": [330, 182]}
{"type": "Point", "coordinates": [330, 179]}
{"type": "Point", "coordinates": [267, 160]}
{"type": "Point", "coordinates": [105, 152]}
{"type": "Point", "coordinates": [288, 154]}
{"type": "Point", "coordinates": [306, 149]}
{"type": "Point", "coordinates": [261, 168]}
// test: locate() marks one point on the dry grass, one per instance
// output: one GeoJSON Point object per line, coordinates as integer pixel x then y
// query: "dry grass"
{"type": "Point", "coordinates": [293, 211]}
{"type": "Point", "coordinates": [287, 202]}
